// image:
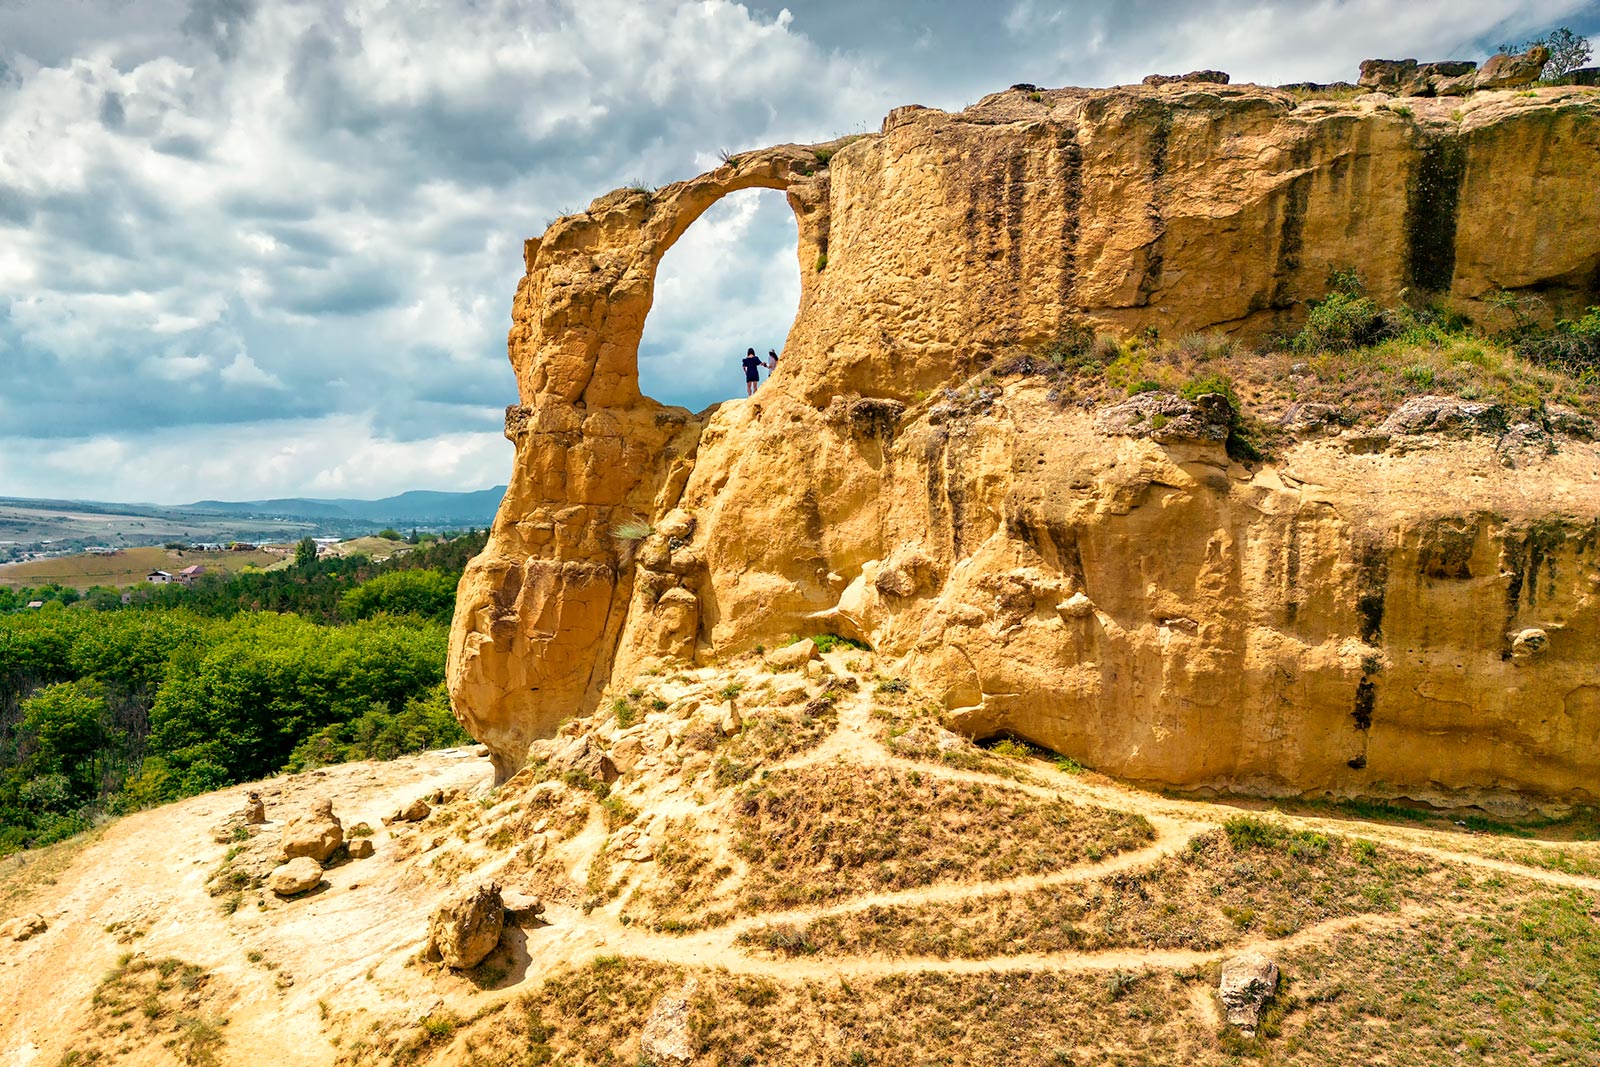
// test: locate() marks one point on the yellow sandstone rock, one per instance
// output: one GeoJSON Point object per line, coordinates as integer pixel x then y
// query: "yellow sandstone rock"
{"type": "Point", "coordinates": [1411, 621]}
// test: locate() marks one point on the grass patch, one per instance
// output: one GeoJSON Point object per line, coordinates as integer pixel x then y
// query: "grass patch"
{"type": "Point", "coordinates": [820, 834]}
{"type": "Point", "coordinates": [772, 734]}
{"type": "Point", "coordinates": [1510, 987]}
{"type": "Point", "coordinates": [144, 1002]}
{"type": "Point", "coordinates": [1250, 879]}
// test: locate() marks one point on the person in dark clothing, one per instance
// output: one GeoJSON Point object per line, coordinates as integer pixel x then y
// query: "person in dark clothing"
{"type": "Point", "coordinates": [752, 372]}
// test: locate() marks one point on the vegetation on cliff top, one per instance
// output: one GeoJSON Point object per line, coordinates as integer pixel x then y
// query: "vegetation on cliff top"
{"type": "Point", "coordinates": [1360, 358]}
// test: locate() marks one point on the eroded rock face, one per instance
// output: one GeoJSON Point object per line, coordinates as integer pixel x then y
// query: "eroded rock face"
{"type": "Point", "coordinates": [1335, 622]}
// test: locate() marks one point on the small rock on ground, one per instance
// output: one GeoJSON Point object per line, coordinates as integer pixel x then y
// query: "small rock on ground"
{"type": "Point", "coordinates": [299, 875]}
{"type": "Point", "coordinates": [666, 1032]}
{"type": "Point", "coordinates": [1248, 982]}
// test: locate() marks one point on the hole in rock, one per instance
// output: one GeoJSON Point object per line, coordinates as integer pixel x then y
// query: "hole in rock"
{"type": "Point", "coordinates": [731, 282]}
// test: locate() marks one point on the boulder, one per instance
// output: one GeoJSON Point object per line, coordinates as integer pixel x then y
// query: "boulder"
{"type": "Point", "coordinates": [1308, 417]}
{"type": "Point", "coordinates": [1167, 418]}
{"type": "Point", "coordinates": [583, 755]}
{"type": "Point", "coordinates": [1076, 606]}
{"type": "Point", "coordinates": [729, 721]}
{"type": "Point", "coordinates": [792, 657]}
{"type": "Point", "coordinates": [23, 927]}
{"type": "Point", "coordinates": [298, 876]}
{"type": "Point", "coordinates": [361, 848]}
{"type": "Point", "coordinates": [1447, 415]}
{"type": "Point", "coordinates": [626, 754]}
{"type": "Point", "coordinates": [1248, 981]}
{"type": "Point", "coordinates": [666, 1032]}
{"type": "Point", "coordinates": [791, 690]}
{"type": "Point", "coordinates": [255, 812]}
{"type": "Point", "coordinates": [1206, 77]}
{"type": "Point", "coordinates": [1513, 72]}
{"type": "Point", "coordinates": [1582, 76]}
{"type": "Point", "coordinates": [522, 907]}
{"type": "Point", "coordinates": [316, 833]}
{"type": "Point", "coordinates": [467, 926]}
{"type": "Point", "coordinates": [415, 811]}
{"type": "Point", "coordinates": [1386, 75]}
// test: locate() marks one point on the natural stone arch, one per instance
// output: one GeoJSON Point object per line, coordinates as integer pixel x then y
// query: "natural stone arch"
{"type": "Point", "coordinates": [592, 276]}
{"type": "Point", "coordinates": [540, 611]}
{"type": "Point", "coordinates": [732, 282]}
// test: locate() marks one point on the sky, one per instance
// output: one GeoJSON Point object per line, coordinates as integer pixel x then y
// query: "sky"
{"type": "Point", "coordinates": [254, 248]}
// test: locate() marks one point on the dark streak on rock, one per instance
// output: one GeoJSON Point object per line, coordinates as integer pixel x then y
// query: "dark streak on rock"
{"type": "Point", "coordinates": [1433, 200]}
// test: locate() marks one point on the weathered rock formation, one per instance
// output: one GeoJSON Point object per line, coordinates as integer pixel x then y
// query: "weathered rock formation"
{"type": "Point", "coordinates": [1342, 620]}
{"type": "Point", "coordinates": [467, 927]}
{"type": "Point", "coordinates": [316, 832]}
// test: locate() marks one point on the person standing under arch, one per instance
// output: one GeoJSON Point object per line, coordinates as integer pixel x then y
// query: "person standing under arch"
{"type": "Point", "coordinates": [752, 372]}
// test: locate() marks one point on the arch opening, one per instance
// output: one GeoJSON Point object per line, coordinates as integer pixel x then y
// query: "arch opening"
{"type": "Point", "coordinates": [730, 283]}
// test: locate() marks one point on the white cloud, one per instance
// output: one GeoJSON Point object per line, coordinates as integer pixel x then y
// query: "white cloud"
{"type": "Point", "coordinates": [338, 456]}
{"type": "Point", "coordinates": [243, 372]}
{"type": "Point", "coordinates": [301, 221]}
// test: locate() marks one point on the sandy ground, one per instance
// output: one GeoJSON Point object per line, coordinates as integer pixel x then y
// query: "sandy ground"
{"type": "Point", "coordinates": [147, 875]}
{"type": "Point", "coordinates": [298, 980]}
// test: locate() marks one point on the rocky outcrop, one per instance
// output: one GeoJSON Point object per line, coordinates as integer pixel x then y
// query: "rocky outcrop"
{"type": "Point", "coordinates": [23, 927]}
{"type": "Point", "coordinates": [316, 832]}
{"type": "Point", "coordinates": [1248, 981]}
{"type": "Point", "coordinates": [666, 1032]}
{"type": "Point", "coordinates": [1407, 77]}
{"type": "Point", "coordinates": [1211, 77]}
{"type": "Point", "coordinates": [1334, 622]}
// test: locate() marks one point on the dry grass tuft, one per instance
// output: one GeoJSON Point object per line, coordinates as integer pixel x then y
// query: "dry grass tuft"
{"type": "Point", "coordinates": [1251, 879]}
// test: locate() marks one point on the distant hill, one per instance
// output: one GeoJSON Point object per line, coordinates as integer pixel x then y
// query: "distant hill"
{"type": "Point", "coordinates": [418, 505]}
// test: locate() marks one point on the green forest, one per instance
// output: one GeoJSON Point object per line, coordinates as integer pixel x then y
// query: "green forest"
{"type": "Point", "coordinates": [108, 707]}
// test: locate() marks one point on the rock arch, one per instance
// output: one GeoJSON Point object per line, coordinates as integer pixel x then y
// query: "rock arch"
{"type": "Point", "coordinates": [541, 609]}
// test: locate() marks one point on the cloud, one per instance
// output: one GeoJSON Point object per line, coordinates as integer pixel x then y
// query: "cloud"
{"type": "Point", "coordinates": [230, 220]}
{"type": "Point", "coordinates": [219, 23]}
{"type": "Point", "coordinates": [243, 373]}
{"type": "Point", "coordinates": [336, 456]}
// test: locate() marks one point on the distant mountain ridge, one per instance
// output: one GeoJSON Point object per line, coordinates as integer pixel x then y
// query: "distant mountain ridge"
{"type": "Point", "coordinates": [417, 505]}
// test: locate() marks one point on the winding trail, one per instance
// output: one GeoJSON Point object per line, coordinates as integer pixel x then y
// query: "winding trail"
{"type": "Point", "coordinates": [298, 977]}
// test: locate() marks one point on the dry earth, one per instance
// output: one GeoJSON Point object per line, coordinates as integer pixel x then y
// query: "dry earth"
{"type": "Point", "coordinates": [663, 878]}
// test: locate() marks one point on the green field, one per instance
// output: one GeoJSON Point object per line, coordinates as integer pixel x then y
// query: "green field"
{"type": "Point", "coordinates": [129, 566]}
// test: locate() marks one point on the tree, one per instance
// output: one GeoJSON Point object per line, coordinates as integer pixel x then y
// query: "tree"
{"type": "Point", "coordinates": [67, 721]}
{"type": "Point", "coordinates": [428, 593]}
{"type": "Point", "coordinates": [305, 553]}
{"type": "Point", "coordinates": [1568, 51]}
{"type": "Point", "coordinates": [390, 534]}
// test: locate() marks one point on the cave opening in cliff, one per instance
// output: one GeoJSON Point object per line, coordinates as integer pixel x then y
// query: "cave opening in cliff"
{"type": "Point", "coordinates": [730, 283]}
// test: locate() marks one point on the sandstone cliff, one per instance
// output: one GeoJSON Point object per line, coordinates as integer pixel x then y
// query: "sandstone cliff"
{"type": "Point", "coordinates": [1379, 614]}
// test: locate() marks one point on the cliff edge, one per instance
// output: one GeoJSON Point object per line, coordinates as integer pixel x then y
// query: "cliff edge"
{"type": "Point", "coordinates": [1395, 605]}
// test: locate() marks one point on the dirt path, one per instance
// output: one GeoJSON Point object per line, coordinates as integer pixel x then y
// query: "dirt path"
{"type": "Point", "coordinates": [293, 976]}
{"type": "Point", "coordinates": [142, 888]}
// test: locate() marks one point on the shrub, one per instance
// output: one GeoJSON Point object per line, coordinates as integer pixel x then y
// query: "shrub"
{"type": "Point", "coordinates": [1573, 346]}
{"type": "Point", "coordinates": [1345, 319]}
